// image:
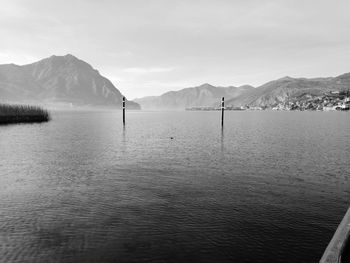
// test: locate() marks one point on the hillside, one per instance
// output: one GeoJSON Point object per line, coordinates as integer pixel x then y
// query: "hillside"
{"type": "Point", "coordinates": [287, 88]}
{"type": "Point", "coordinates": [59, 79]}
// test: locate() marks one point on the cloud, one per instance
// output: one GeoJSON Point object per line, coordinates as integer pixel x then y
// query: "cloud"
{"type": "Point", "coordinates": [137, 70]}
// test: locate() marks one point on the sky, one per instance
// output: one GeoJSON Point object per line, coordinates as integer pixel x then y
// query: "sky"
{"type": "Point", "coordinates": [148, 47]}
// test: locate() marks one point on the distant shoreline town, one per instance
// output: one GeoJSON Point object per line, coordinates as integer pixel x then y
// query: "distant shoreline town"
{"type": "Point", "coordinates": [331, 101]}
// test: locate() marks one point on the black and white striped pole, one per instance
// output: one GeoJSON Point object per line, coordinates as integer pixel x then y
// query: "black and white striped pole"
{"type": "Point", "coordinates": [124, 111]}
{"type": "Point", "coordinates": [222, 111]}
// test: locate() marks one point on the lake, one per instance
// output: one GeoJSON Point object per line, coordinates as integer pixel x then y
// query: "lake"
{"type": "Point", "coordinates": [173, 186]}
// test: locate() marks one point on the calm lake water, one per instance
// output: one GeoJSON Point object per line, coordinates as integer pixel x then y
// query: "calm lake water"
{"type": "Point", "coordinates": [270, 187]}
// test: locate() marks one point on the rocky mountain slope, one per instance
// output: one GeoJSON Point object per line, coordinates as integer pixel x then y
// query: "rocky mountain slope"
{"type": "Point", "coordinates": [59, 79]}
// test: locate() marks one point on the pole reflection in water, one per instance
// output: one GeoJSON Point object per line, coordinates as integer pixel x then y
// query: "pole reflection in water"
{"type": "Point", "coordinates": [222, 139]}
{"type": "Point", "coordinates": [123, 146]}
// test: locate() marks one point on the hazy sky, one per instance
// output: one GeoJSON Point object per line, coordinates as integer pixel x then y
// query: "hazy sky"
{"type": "Point", "coordinates": [147, 47]}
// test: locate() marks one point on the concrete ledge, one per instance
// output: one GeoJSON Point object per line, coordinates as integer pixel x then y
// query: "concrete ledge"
{"type": "Point", "coordinates": [335, 248]}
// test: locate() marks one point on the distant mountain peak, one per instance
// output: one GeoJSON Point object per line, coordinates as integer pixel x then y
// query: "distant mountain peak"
{"type": "Point", "coordinates": [286, 78]}
{"type": "Point", "coordinates": [343, 76]}
{"type": "Point", "coordinates": [205, 85]}
{"type": "Point", "coordinates": [67, 56]}
{"type": "Point", "coordinates": [70, 56]}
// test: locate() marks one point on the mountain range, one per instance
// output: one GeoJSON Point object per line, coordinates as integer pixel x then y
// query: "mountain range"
{"type": "Point", "coordinates": [59, 80]}
{"type": "Point", "coordinates": [267, 95]}
{"type": "Point", "coordinates": [204, 95]}
{"type": "Point", "coordinates": [67, 80]}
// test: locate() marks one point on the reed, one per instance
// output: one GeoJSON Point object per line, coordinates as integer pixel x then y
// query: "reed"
{"type": "Point", "coordinates": [22, 114]}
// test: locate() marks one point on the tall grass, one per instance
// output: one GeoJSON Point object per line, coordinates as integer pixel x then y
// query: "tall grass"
{"type": "Point", "coordinates": [22, 114]}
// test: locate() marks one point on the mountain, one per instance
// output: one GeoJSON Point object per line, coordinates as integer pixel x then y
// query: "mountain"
{"type": "Point", "coordinates": [59, 79]}
{"type": "Point", "coordinates": [267, 95]}
{"type": "Point", "coordinates": [287, 88]}
{"type": "Point", "coordinates": [203, 95]}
